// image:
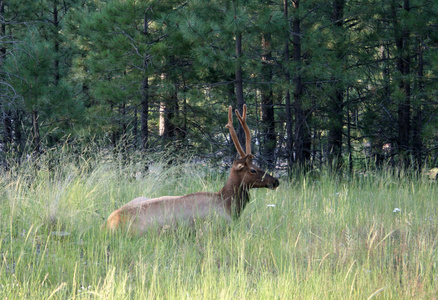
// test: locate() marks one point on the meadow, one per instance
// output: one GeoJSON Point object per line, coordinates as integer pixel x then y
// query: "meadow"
{"type": "Point", "coordinates": [371, 235]}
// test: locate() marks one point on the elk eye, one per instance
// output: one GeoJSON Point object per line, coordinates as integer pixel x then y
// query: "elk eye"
{"type": "Point", "coordinates": [253, 171]}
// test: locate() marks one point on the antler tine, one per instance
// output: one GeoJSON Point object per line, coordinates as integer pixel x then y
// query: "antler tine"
{"type": "Point", "coordinates": [245, 127]}
{"type": "Point", "coordinates": [233, 132]}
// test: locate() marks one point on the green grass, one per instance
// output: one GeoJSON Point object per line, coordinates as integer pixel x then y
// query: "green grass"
{"type": "Point", "coordinates": [326, 238]}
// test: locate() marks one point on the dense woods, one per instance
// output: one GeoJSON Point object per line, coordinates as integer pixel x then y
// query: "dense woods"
{"type": "Point", "coordinates": [343, 83]}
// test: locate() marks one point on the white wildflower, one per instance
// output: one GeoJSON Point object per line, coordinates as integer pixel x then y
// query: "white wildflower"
{"type": "Point", "coordinates": [396, 210]}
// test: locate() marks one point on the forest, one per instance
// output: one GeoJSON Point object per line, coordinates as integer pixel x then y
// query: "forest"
{"type": "Point", "coordinates": [346, 83]}
{"type": "Point", "coordinates": [104, 101]}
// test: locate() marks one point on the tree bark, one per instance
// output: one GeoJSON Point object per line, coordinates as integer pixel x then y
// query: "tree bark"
{"type": "Point", "coordinates": [417, 120]}
{"type": "Point", "coordinates": [336, 106]}
{"type": "Point", "coordinates": [135, 129]}
{"type": "Point", "coordinates": [288, 106]}
{"type": "Point", "coordinates": [300, 135]}
{"type": "Point", "coordinates": [238, 81]}
{"type": "Point", "coordinates": [6, 111]}
{"type": "Point", "coordinates": [168, 112]}
{"type": "Point", "coordinates": [7, 128]}
{"type": "Point", "coordinates": [124, 129]}
{"type": "Point", "coordinates": [267, 106]}
{"type": "Point", "coordinates": [18, 138]}
{"type": "Point", "coordinates": [145, 96]}
{"type": "Point", "coordinates": [239, 86]}
{"type": "Point", "coordinates": [36, 132]}
{"type": "Point", "coordinates": [56, 42]}
{"type": "Point", "coordinates": [404, 107]}
{"type": "Point", "coordinates": [2, 33]}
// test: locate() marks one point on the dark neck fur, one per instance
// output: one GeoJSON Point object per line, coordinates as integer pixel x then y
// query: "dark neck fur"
{"type": "Point", "coordinates": [235, 197]}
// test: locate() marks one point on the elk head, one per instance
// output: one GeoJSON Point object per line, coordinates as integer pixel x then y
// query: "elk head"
{"type": "Point", "coordinates": [252, 176]}
{"type": "Point", "coordinates": [244, 171]}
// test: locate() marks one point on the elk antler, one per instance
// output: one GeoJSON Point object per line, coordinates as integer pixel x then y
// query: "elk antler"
{"type": "Point", "coordinates": [242, 120]}
{"type": "Point", "coordinates": [233, 132]}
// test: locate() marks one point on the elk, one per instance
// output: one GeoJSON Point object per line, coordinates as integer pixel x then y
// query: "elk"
{"type": "Point", "coordinates": [142, 213]}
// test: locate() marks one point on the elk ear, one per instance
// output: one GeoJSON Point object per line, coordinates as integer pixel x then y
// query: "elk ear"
{"type": "Point", "coordinates": [239, 166]}
{"type": "Point", "coordinates": [249, 158]}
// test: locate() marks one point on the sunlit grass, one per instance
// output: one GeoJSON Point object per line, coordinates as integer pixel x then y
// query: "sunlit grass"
{"type": "Point", "coordinates": [373, 235]}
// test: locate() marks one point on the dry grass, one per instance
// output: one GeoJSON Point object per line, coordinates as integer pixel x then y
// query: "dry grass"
{"type": "Point", "coordinates": [367, 237]}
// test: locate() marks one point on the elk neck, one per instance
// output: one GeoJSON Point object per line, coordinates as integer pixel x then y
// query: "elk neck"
{"type": "Point", "coordinates": [235, 196]}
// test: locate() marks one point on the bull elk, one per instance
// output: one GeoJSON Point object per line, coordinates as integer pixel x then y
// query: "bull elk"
{"type": "Point", "coordinates": [143, 213]}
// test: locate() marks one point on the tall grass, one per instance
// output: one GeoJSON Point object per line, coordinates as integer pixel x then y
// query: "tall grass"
{"type": "Point", "coordinates": [373, 235]}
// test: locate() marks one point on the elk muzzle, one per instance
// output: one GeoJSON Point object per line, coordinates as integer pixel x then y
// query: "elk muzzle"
{"type": "Point", "coordinates": [270, 181]}
{"type": "Point", "coordinates": [273, 184]}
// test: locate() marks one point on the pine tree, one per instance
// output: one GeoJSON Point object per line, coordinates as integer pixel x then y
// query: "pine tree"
{"type": "Point", "coordinates": [268, 26]}
{"type": "Point", "coordinates": [400, 88]}
{"type": "Point", "coordinates": [42, 86]}
{"type": "Point", "coordinates": [120, 63]}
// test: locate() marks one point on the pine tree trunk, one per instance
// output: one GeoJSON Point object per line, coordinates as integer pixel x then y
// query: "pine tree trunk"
{"type": "Point", "coordinates": [288, 106]}
{"type": "Point", "coordinates": [123, 142]}
{"type": "Point", "coordinates": [404, 107]}
{"type": "Point", "coordinates": [145, 115]}
{"type": "Point", "coordinates": [300, 136]}
{"type": "Point", "coordinates": [2, 33]}
{"type": "Point", "coordinates": [239, 86]}
{"type": "Point", "coordinates": [349, 147]}
{"type": "Point", "coordinates": [7, 128]}
{"type": "Point", "coordinates": [18, 140]}
{"type": "Point", "coordinates": [6, 112]}
{"type": "Point", "coordinates": [238, 81]}
{"type": "Point", "coordinates": [381, 137]}
{"type": "Point", "coordinates": [36, 132]}
{"type": "Point", "coordinates": [135, 129]}
{"type": "Point", "coordinates": [268, 118]}
{"type": "Point", "coordinates": [417, 141]}
{"type": "Point", "coordinates": [168, 112]}
{"type": "Point", "coordinates": [56, 42]}
{"type": "Point", "coordinates": [336, 106]}
{"type": "Point", "coordinates": [145, 97]}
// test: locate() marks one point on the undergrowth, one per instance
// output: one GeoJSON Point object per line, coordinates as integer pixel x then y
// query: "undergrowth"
{"type": "Point", "coordinates": [373, 234]}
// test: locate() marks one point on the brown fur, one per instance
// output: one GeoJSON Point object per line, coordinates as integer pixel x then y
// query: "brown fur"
{"type": "Point", "coordinates": [142, 213]}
